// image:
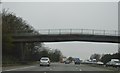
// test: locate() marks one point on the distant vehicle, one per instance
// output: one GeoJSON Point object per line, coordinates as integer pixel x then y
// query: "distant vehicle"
{"type": "Point", "coordinates": [77, 61]}
{"type": "Point", "coordinates": [114, 63]}
{"type": "Point", "coordinates": [67, 62]}
{"type": "Point", "coordinates": [89, 62]}
{"type": "Point", "coordinates": [44, 61]}
{"type": "Point", "coordinates": [99, 63]}
{"type": "Point", "coordinates": [63, 60]}
{"type": "Point", "coordinates": [109, 63]}
{"type": "Point", "coordinates": [86, 62]}
{"type": "Point", "coordinates": [114, 59]}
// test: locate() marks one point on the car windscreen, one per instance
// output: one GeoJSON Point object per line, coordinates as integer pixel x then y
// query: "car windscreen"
{"type": "Point", "coordinates": [117, 61]}
{"type": "Point", "coordinates": [44, 59]}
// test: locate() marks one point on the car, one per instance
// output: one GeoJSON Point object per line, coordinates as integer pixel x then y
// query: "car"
{"type": "Point", "coordinates": [76, 60]}
{"type": "Point", "coordinates": [67, 62]}
{"type": "Point", "coordinates": [100, 63]}
{"type": "Point", "coordinates": [113, 63]}
{"type": "Point", "coordinates": [109, 63]}
{"type": "Point", "coordinates": [114, 59]}
{"type": "Point", "coordinates": [44, 61]}
{"type": "Point", "coordinates": [116, 64]}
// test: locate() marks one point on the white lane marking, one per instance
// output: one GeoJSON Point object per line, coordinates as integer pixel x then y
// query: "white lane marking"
{"type": "Point", "coordinates": [44, 72]}
{"type": "Point", "coordinates": [80, 69]}
{"type": "Point", "coordinates": [19, 68]}
{"type": "Point", "coordinates": [50, 68]}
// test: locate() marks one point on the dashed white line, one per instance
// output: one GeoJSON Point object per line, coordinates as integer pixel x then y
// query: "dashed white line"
{"type": "Point", "coordinates": [50, 68]}
{"type": "Point", "coordinates": [44, 72]}
{"type": "Point", "coordinates": [80, 69]}
{"type": "Point", "coordinates": [19, 68]}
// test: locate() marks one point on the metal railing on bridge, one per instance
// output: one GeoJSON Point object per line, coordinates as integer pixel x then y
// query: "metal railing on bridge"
{"type": "Point", "coordinates": [70, 31]}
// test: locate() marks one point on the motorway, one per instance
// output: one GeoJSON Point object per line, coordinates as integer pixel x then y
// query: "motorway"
{"type": "Point", "coordinates": [56, 67]}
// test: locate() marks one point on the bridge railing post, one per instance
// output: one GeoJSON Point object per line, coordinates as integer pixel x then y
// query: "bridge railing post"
{"type": "Point", "coordinates": [59, 31]}
{"type": "Point", "coordinates": [81, 31]}
{"type": "Point", "coordinates": [103, 32]}
{"type": "Point", "coordinates": [48, 31]}
{"type": "Point", "coordinates": [116, 33]}
{"type": "Point", "coordinates": [70, 31]}
{"type": "Point", "coordinates": [93, 31]}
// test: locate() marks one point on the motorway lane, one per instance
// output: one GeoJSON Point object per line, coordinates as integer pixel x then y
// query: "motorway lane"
{"type": "Point", "coordinates": [57, 67]}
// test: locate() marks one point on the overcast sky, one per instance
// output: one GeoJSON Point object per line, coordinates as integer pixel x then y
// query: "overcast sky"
{"type": "Point", "coordinates": [77, 15]}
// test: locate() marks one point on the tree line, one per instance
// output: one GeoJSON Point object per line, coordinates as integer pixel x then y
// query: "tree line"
{"type": "Point", "coordinates": [107, 57]}
{"type": "Point", "coordinates": [12, 52]}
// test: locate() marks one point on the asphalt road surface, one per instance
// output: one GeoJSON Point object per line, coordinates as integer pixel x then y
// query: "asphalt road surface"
{"type": "Point", "coordinates": [56, 67]}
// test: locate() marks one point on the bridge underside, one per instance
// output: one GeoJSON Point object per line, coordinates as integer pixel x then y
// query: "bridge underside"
{"type": "Point", "coordinates": [66, 37]}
